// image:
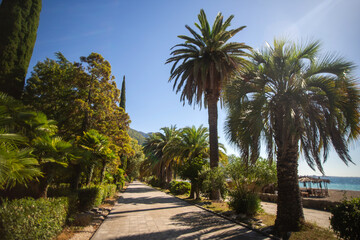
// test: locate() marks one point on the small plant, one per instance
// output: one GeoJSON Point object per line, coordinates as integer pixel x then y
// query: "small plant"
{"type": "Point", "coordinates": [346, 219]}
{"type": "Point", "coordinates": [244, 201]}
{"type": "Point", "coordinates": [179, 187]}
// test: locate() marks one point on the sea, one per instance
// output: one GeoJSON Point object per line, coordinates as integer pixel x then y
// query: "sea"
{"type": "Point", "coordinates": [341, 183]}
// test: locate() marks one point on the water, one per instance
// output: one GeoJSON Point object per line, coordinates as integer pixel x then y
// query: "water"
{"type": "Point", "coordinates": [341, 183]}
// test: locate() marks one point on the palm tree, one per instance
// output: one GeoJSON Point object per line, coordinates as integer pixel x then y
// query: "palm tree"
{"type": "Point", "coordinates": [193, 150]}
{"type": "Point", "coordinates": [99, 148]}
{"type": "Point", "coordinates": [53, 154]}
{"type": "Point", "coordinates": [294, 98]}
{"type": "Point", "coordinates": [17, 165]}
{"type": "Point", "coordinates": [159, 150]}
{"type": "Point", "coordinates": [206, 63]}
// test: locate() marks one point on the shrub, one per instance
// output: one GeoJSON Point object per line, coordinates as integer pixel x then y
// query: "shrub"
{"type": "Point", "coordinates": [213, 178]}
{"type": "Point", "coordinates": [154, 181]}
{"type": "Point", "coordinates": [90, 197]}
{"type": "Point", "coordinates": [33, 219]}
{"type": "Point", "coordinates": [179, 187]}
{"type": "Point", "coordinates": [346, 219]}
{"type": "Point", "coordinates": [62, 191]}
{"type": "Point", "coordinates": [245, 202]}
{"type": "Point", "coordinates": [111, 190]}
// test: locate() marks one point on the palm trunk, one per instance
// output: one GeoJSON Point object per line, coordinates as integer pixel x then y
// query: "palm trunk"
{"type": "Point", "coordinates": [169, 173]}
{"type": "Point", "coordinates": [197, 190]}
{"type": "Point", "coordinates": [192, 190]}
{"type": "Point", "coordinates": [290, 214]}
{"type": "Point", "coordinates": [213, 139]}
{"type": "Point", "coordinates": [76, 177]}
{"type": "Point", "coordinates": [91, 172]}
{"type": "Point", "coordinates": [102, 175]}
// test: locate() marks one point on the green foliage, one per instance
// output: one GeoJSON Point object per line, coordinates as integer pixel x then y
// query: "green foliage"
{"type": "Point", "coordinates": [139, 136]}
{"type": "Point", "coordinates": [244, 201]}
{"type": "Point", "coordinates": [111, 190]}
{"type": "Point", "coordinates": [346, 219]}
{"type": "Point", "coordinates": [123, 95]}
{"type": "Point", "coordinates": [154, 181]}
{"type": "Point", "coordinates": [214, 178]}
{"type": "Point", "coordinates": [253, 176]}
{"type": "Point", "coordinates": [19, 21]}
{"type": "Point", "coordinates": [32, 219]}
{"type": "Point", "coordinates": [134, 162]}
{"type": "Point", "coordinates": [179, 187]}
{"type": "Point", "coordinates": [17, 164]}
{"type": "Point", "coordinates": [90, 197]}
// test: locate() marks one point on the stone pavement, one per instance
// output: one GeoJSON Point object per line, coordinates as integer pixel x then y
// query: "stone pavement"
{"type": "Point", "coordinates": [146, 213]}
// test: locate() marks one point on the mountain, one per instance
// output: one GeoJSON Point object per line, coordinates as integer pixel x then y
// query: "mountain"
{"type": "Point", "coordinates": [138, 135]}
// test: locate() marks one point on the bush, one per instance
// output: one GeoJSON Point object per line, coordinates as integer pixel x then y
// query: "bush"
{"type": "Point", "coordinates": [346, 219]}
{"type": "Point", "coordinates": [245, 202]}
{"type": "Point", "coordinates": [110, 190]}
{"type": "Point", "coordinates": [179, 187]}
{"type": "Point", "coordinates": [90, 197]}
{"type": "Point", "coordinates": [154, 181]}
{"type": "Point", "coordinates": [32, 219]}
{"type": "Point", "coordinates": [213, 178]}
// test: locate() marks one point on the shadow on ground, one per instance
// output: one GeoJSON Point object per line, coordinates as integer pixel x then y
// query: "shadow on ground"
{"type": "Point", "coordinates": [199, 225]}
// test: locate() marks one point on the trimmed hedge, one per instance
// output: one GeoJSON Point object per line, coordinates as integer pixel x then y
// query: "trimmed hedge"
{"type": "Point", "coordinates": [179, 187]}
{"type": "Point", "coordinates": [346, 219]}
{"type": "Point", "coordinates": [33, 219]}
{"type": "Point", "coordinates": [93, 196]}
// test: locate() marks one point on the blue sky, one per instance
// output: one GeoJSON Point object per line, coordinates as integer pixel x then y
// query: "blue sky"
{"type": "Point", "coordinates": [136, 37]}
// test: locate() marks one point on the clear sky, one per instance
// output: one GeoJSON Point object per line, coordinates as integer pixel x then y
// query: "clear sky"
{"type": "Point", "coordinates": [136, 37]}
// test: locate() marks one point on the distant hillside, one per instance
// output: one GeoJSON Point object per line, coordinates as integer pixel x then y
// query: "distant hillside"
{"type": "Point", "coordinates": [139, 136]}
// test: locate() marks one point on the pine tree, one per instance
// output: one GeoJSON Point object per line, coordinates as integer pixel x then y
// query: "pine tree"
{"type": "Point", "coordinates": [122, 96]}
{"type": "Point", "coordinates": [19, 21]}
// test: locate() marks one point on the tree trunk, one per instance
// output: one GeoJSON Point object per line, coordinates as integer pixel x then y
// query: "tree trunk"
{"type": "Point", "coordinates": [197, 190]}
{"type": "Point", "coordinates": [192, 190]}
{"type": "Point", "coordinates": [91, 172]}
{"type": "Point", "coordinates": [213, 139]}
{"type": "Point", "coordinates": [290, 214]}
{"type": "Point", "coordinates": [102, 175]}
{"type": "Point", "coordinates": [169, 173]}
{"type": "Point", "coordinates": [76, 177]}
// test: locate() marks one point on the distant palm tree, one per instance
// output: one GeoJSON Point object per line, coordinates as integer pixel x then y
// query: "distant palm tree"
{"type": "Point", "coordinates": [202, 66]}
{"type": "Point", "coordinates": [194, 146]}
{"type": "Point", "coordinates": [294, 98]}
{"type": "Point", "coordinates": [97, 145]}
{"type": "Point", "coordinates": [159, 151]}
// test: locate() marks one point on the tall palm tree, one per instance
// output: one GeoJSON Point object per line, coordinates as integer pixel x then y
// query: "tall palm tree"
{"type": "Point", "coordinates": [295, 98]}
{"type": "Point", "coordinates": [202, 66]}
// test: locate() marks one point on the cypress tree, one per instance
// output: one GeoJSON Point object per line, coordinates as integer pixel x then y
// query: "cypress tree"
{"type": "Point", "coordinates": [122, 96]}
{"type": "Point", "coordinates": [19, 21]}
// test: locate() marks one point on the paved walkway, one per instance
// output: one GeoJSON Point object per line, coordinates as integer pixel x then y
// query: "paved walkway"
{"type": "Point", "coordinates": [320, 218]}
{"type": "Point", "coordinates": [145, 213]}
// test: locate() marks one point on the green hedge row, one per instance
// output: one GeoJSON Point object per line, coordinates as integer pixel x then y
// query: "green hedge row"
{"type": "Point", "coordinates": [93, 196]}
{"type": "Point", "coordinates": [33, 219]}
{"type": "Point", "coordinates": [44, 218]}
